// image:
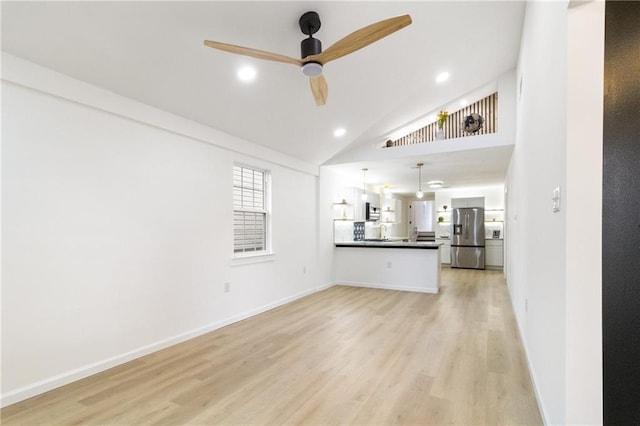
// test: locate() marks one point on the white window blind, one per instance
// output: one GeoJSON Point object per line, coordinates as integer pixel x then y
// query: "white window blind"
{"type": "Point", "coordinates": [249, 210]}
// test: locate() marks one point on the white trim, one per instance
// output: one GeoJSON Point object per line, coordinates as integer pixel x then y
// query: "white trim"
{"type": "Point", "coordinates": [250, 258]}
{"type": "Point", "coordinates": [532, 375]}
{"type": "Point", "coordinates": [388, 287]}
{"type": "Point", "coordinates": [62, 379]}
{"type": "Point", "coordinates": [28, 74]}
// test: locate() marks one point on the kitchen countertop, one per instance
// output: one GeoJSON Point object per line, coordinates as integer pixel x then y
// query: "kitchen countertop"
{"type": "Point", "coordinates": [392, 244]}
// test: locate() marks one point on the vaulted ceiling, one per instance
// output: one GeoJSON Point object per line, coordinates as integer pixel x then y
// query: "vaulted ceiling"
{"type": "Point", "coordinates": [153, 52]}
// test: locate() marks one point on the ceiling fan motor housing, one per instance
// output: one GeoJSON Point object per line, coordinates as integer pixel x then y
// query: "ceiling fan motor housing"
{"type": "Point", "coordinates": [309, 25]}
{"type": "Point", "coordinates": [310, 46]}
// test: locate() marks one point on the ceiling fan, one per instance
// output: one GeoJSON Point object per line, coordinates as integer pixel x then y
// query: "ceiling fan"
{"type": "Point", "coordinates": [313, 58]}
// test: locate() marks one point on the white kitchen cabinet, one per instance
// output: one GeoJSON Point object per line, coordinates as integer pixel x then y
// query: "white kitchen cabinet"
{"type": "Point", "coordinates": [467, 202]}
{"type": "Point", "coordinates": [445, 250]}
{"type": "Point", "coordinates": [494, 253]}
{"type": "Point", "coordinates": [398, 268]}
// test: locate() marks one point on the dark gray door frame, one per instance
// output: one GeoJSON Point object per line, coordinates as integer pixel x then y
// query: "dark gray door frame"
{"type": "Point", "coordinates": [621, 214]}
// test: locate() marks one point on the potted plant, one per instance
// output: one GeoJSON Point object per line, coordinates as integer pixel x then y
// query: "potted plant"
{"type": "Point", "coordinates": [442, 118]}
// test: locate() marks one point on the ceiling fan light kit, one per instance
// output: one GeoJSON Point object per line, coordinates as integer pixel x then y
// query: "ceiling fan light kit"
{"type": "Point", "coordinates": [313, 58]}
{"type": "Point", "coordinates": [311, 69]}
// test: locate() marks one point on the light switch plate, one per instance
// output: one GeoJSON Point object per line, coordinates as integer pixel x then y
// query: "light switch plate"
{"type": "Point", "coordinates": [556, 200]}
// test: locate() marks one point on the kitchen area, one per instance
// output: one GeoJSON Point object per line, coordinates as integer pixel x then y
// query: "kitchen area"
{"type": "Point", "coordinates": [408, 186]}
{"type": "Point", "coordinates": [399, 241]}
{"type": "Point", "coordinates": [394, 217]}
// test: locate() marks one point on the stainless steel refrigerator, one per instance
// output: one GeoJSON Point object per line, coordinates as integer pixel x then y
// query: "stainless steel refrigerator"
{"type": "Point", "coordinates": [467, 238]}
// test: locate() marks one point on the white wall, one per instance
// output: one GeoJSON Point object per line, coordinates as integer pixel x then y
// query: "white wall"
{"type": "Point", "coordinates": [583, 203]}
{"type": "Point", "coordinates": [536, 235]}
{"type": "Point", "coordinates": [553, 270]}
{"type": "Point", "coordinates": [117, 236]}
{"type": "Point", "coordinates": [369, 151]}
{"type": "Point", "coordinates": [333, 187]}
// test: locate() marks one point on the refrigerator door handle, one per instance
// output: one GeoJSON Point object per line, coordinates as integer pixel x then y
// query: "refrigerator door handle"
{"type": "Point", "coordinates": [466, 227]}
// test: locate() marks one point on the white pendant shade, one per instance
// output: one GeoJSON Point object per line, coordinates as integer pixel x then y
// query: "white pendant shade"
{"type": "Point", "coordinates": [364, 186]}
{"type": "Point", "coordinates": [419, 193]}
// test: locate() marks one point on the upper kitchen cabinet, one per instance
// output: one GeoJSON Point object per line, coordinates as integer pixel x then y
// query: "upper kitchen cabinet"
{"type": "Point", "coordinates": [457, 203]}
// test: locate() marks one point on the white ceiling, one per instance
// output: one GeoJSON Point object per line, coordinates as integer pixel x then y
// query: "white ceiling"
{"type": "Point", "coordinates": [153, 52]}
{"type": "Point", "coordinates": [463, 169]}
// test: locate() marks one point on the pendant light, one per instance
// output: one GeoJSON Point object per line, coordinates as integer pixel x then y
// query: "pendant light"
{"type": "Point", "coordinates": [364, 187]}
{"type": "Point", "coordinates": [419, 192]}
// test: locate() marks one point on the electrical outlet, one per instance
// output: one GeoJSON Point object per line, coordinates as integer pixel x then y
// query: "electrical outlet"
{"type": "Point", "coordinates": [227, 287]}
{"type": "Point", "coordinates": [388, 265]}
{"type": "Point", "coordinates": [304, 270]}
{"type": "Point", "coordinates": [526, 305]}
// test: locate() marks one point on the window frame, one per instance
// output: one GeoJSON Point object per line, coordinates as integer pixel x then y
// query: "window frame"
{"type": "Point", "coordinates": [266, 251]}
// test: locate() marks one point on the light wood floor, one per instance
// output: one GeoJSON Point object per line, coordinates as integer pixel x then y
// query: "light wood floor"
{"type": "Point", "coordinates": [342, 356]}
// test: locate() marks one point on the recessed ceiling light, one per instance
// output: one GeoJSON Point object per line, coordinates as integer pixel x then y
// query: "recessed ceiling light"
{"type": "Point", "coordinates": [443, 76]}
{"type": "Point", "coordinates": [463, 102]}
{"type": "Point", "coordinates": [247, 74]}
{"type": "Point", "coordinates": [339, 132]}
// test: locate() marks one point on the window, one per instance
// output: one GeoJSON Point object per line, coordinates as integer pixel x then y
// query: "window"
{"type": "Point", "coordinates": [249, 210]}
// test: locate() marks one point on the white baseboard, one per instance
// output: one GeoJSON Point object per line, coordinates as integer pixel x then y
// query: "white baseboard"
{"type": "Point", "coordinates": [532, 375]}
{"type": "Point", "coordinates": [388, 287]}
{"type": "Point", "coordinates": [56, 381]}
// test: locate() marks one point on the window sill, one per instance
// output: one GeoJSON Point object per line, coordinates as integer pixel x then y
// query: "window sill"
{"type": "Point", "coordinates": [248, 259]}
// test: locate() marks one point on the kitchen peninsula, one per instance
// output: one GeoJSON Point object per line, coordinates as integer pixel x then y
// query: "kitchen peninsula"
{"type": "Point", "coordinates": [393, 265]}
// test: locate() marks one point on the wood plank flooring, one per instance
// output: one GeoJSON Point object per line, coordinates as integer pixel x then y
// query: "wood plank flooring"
{"type": "Point", "coordinates": [345, 355]}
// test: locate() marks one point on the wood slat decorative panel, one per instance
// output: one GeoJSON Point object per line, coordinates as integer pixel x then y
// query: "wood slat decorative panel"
{"type": "Point", "coordinates": [454, 126]}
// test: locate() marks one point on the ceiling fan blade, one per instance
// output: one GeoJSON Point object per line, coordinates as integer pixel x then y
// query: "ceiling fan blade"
{"type": "Point", "coordinates": [319, 89]}
{"type": "Point", "coordinates": [361, 38]}
{"type": "Point", "coordinates": [254, 53]}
